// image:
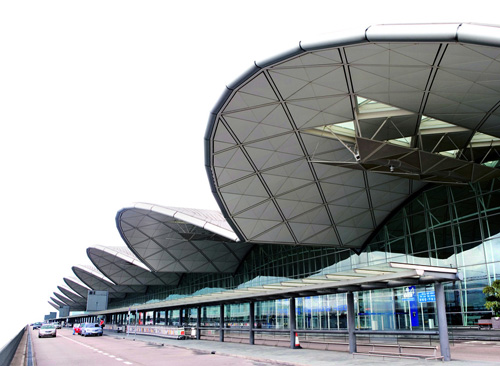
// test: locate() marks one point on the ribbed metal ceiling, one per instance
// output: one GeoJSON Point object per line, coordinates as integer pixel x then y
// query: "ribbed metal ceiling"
{"type": "Point", "coordinates": [319, 145]}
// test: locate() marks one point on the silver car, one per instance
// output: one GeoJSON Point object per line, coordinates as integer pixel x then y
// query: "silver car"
{"type": "Point", "coordinates": [90, 329]}
{"type": "Point", "coordinates": [47, 330]}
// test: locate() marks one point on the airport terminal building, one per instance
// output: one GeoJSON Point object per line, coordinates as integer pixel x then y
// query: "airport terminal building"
{"type": "Point", "coordinates": [338, 166]}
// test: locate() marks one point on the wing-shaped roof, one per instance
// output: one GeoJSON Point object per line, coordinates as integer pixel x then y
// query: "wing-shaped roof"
{"type": "Point", "coordinates": [64, 299]}
{"type": "Point", "coordinates": [121, 266]}
{"type": "Point", "coordinates": [58, 302]}
{"type": "Point", "coordinates": [54, 305]}
{"type": "Point", "coordinates": [169, 239]}
{"type": "Point", "coordinates": [96, 281]}
{"type": "Point", "coordinates": [78, 286]}
{"type": "Point", "coordinates": [72, 295]}
{"type": "Point", "coordinates": [321, 144]}
{"type": "Point", "coordinates": [74, 306]}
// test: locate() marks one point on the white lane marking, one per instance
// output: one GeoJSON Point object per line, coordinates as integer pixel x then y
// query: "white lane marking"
{"type": "Point", "coordinates": [99, 351]}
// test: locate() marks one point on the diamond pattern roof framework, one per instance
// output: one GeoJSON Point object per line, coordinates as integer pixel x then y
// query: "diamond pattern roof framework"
{"type": "Point", "coordinates": [319, 145]}
{"type": "Point", "coordinates": [77, 299]}
{"type": "Point", "coordinates": [77, 286]}
{"type": "Point", "coordinates": [180, 240]}
{"type": "Point", "coordinates": [121, 266]}
{"type": "Point", "coordinates": [95, 280]}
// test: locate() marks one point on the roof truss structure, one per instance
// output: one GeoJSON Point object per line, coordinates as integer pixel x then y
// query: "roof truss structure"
{"type": "Point", "coordinates": [175, 240]}
{"type": "Point", "coordinates": [319, 145]}
{"type": "Point", "coordinates": [121, 266]}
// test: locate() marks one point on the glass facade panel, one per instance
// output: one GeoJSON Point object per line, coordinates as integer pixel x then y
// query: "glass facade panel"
{"type": "Point", "coordinates": [272, 314]}
{"type": "Point", "coordinates": [475, 276]}
{"type": "Point", "coordinates": [149, 318]}
{"type": "Point", "coordinates": [190, 317]}
{"type": "Point", "coordinates": [237, 315]}
{"type": "Point", "coordinates": [160, 318]}
{"type": "Point", "coordinates": [492, 249]}
{"type": "Point", "coordinates": [449, 226]}
{"type": "Point", "coordinates": [173, 317]}
{"type": "Point", "coordinates": [210, 316]}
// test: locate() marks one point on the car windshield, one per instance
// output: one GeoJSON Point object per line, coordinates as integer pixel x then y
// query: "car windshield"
{"type": "Point", "coordinates": [48, 326]}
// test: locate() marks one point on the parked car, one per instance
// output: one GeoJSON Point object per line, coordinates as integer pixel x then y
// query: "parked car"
{"type": "Point", "coordinates": [37, 325]}
{"type": "Point", "coordinates": [57, 325]}
{"type": "Point", "coordinates": [77, 328]}
{"type": "Point", "coordinates": [89, 329]}
{"type": "Point", "coordinates": [47, 330]}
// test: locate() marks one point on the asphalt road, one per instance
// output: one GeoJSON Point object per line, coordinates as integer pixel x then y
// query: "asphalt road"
{"type": "Point", "coordinates": [118, 349]}
{"type": "Point", "coordinates": [67, 349]}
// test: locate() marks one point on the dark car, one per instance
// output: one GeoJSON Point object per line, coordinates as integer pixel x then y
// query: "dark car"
{"type": "Point", "coordinates": [37, 325]}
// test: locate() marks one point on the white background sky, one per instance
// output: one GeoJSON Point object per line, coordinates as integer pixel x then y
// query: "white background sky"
{"type": "Point", "coordinates": [105, 103]}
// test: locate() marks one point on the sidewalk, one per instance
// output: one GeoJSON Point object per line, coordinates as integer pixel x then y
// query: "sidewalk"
{"type": "Point", "coordinates": [463, 353]}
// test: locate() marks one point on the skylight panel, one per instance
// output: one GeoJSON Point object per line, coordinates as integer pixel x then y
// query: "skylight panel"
{"type": "Point", "coordinates": [370, 106]}
{"type": "Point", "coordinates": [483, 139]}
{"type": "Point", "coordinates": [403, 141]}
{"type": "Point", "coordinates": [432, 124]}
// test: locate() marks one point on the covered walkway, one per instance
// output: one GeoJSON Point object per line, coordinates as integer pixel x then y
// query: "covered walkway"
{"type": "Point", "coordinates": [389, 275]}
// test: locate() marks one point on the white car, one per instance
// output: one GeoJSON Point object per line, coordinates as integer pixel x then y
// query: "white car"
{"type": "Point", "coordinates": [47, 330]}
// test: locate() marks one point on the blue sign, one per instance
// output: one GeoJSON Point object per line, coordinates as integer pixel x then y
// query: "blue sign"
{"type": "Point", "coordinates": [428, 296]}
{"type": "Point", "coordinates": [410, 294]}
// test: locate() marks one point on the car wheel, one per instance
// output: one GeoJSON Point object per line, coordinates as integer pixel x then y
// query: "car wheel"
{"type": "Point", "coordinates": [39, 336]}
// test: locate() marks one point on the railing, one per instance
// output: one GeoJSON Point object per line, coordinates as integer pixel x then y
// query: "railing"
{"type": "Point", "coordinates": [7, 353]}
{"type": "Point", "coordinates": [309, 338]}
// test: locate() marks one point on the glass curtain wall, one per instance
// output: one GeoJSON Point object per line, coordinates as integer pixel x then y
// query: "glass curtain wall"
{"type": "Point", "coordinates": [450, 226]}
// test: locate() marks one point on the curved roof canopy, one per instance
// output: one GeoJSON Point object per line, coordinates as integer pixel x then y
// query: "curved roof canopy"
{"type": "Point", "coordinates": [180, 240]}
{"type": "Point", "coordinates": [74, 306]}
{"type": "Point", "coordinates": [54, 305]}
{"type": "Point", "coordinates": [96, 281]}
{"type": "Point", "coordinates": [72, 295]}
{"type": "Point", "coordinates": [121, 266]}
{"type": "Point", "coordinates": [64, 299]}
{"type": "Point", "coordinates": [58, 302]}
{"type": "Point", "coordinates": [78, 286]}
{"type": "Point", "coordinates": [319, 145]}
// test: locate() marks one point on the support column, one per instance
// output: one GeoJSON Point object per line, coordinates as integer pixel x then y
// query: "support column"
{"type": "Point", "coordinates": [442, 322]}
{"type": "Point", "coordinates": [198, 322]}
{"type": "Point", "coordinates": [350, 322]}
{"type": "Point", "coordinates": [221, 324]}
{"type": "Point", "coordinates": [291, 322]}
{"type": "Point", "coordinates": [181, 316]}
{"type": "Point", "coordinates": [251, 322]}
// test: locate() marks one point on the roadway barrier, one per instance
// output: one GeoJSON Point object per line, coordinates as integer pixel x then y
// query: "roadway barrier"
{"type": "Point", "coordinates": [160, 331]}
{"type": "Point", "coordinates": [7, 353]}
